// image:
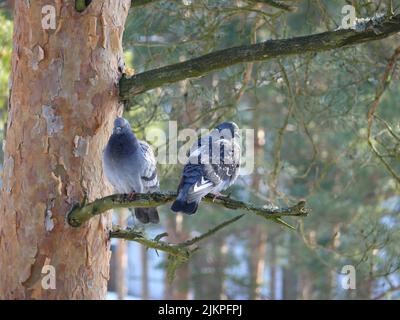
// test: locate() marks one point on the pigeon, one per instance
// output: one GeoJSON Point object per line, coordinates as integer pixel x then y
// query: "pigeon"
{"type": "Point", "coordinates": [213, 166]}
{"type": "Point", "coordinates": [130, 166]}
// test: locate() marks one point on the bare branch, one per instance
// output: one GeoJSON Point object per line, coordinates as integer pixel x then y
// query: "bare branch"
{"type": "Point", "coordinates": [385, 293]}
{"type": "Point", "coordinates": [272, 3]}
{"type": "Point", "coordinates": [132, 235]}
{"type": "Point", "coordinates": [82, 213]}
{"type": "Point", "coordinates": [277, 4]}
{"type": "Point", "coordinates": [179, 250]}
{"type": "Point", "coordinates": [139, 3]}
{"type": "Point", "coordinates": [200, 66]}
{"type": "Point", "coordinates": [210, 232]}
{"type": "Point", "coordinates": [374, 106]}
{"type": "Point", "coordinates": [177, 253]}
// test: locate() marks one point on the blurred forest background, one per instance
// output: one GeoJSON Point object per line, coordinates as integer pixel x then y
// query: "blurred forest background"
{"type": "Point", "coordinates": [310, 115]}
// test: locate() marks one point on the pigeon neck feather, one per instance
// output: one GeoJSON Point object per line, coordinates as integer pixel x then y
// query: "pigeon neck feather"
{"type": "Point", "coordinates": [124, 143]}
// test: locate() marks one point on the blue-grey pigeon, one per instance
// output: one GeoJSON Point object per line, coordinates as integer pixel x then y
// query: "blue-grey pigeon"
{"type": "Point", "coordinates": [213, 166]}
{"type": "Point", "coordinates": [130, 166]}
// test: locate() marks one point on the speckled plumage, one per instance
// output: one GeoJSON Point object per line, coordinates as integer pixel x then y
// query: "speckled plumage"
{"type": "Point", "coordinates": [130, 166]}
{"type": "Point", "coordinates": [213, 166]}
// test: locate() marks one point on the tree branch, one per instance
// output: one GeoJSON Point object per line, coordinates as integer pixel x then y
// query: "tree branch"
{"type": "Point", "coordinates": [373, 30]}
{"type": "Point", "coordinates": [139, 3]}
{"type": "Point", "coordinates": [383, 85]}
{"type": "Point", "coordinates": [132, 235]}
{"type": "Point", "coordinates": [276, 4]}
{"type": "Point", "coordinates": [177, 253]}
{"type": "Point", "coordinates": [82, 213]}
{"type": "Point", "coordinates": [210, 232]}
{"type": "Point", "coordinates": [272, 3]}
{"type": "Point", "coordinates": [179, 250]}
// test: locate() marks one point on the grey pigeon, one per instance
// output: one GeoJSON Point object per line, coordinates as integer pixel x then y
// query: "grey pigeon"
{"type": "Point", "coordinates": [130, 166]}
{"type": "Point", "coordinates": [213, 166]}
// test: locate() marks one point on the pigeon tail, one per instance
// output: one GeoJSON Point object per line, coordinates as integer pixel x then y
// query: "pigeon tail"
{"type": "Point", "coordinates": [181, 204]}
{"type": "Point", "coordinates": [146, 215]}
{"type": "Point", "coordinates": [185, 207]}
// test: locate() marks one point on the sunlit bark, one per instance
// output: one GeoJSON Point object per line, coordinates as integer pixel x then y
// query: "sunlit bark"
{"type": "Point", "coordinates": [63, 99]}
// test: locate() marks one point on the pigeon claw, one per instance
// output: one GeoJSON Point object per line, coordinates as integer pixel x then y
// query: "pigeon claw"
{"type": "Point", "coordinates": [216, 195]}
{"type": "Point", "coordinates": [131, 196]}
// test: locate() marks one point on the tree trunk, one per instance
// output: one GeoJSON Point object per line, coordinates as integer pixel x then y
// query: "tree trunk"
{"type": "Point", "coordinates": [63, 99]}
{"type": "Point", "coordinates": [257, 261]}
{"type": "Point", "coordinates": [290, 281]}
{"type": "Point", "coordinates": [145, 272]}
{"type": "Point", "coordinates": [221, 248]}
{"type": "Point", "coordinates": [306, 285]}
{"type": "Point", "coordinates": [121, 260]}
{"type": "Point", "coordinates": [273, 268]}
{"type": "Point", "coordinates": [258, 234]}
{"type": "Point", "coordinates": [179, 289]}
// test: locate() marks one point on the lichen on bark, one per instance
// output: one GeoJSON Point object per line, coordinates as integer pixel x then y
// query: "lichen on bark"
{"type": "Point", "coordinates": [53, 101]}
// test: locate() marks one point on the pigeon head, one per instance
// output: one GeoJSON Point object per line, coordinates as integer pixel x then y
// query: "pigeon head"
{"type": "Point", "coordinates": [228, 130]}
{"type": "Point", "coordinates": [122, 141]}
{"type": "Point", "coordinates": [121, 125]}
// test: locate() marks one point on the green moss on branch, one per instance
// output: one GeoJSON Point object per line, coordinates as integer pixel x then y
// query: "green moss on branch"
{"type": "Point", "coordinates": [82, 213]}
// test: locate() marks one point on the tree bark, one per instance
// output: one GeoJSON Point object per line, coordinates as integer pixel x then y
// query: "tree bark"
{"type": "Point", "coordinates": [257, 247]}
{"type": "Point", "coordinates": [289, 279]}
{"type": "Point", "coordinates": [258, 234]}
{"type": "Point", "coordinates": [273, 263]}
{"type": "Point", "coordinates": [179, 289]}
{"type": "Point", "coordinates": [63, 99]}
{"type": "Point", "coordinates": [145, 272]}
{"type": "Point", "coordinates": [121, 260]}
{"type": "Point", "coordinates": [306, 285]}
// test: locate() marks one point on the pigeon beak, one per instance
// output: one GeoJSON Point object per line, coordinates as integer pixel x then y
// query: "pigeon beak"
{"type": "Point", "coordinates": [118, 130]}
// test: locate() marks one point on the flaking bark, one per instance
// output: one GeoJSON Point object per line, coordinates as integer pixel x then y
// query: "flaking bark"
{"type": "Point", "coordinates": [63, 100]}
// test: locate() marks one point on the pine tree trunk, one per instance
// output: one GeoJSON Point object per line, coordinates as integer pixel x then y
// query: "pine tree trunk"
{"type": "Point", "coordinates": [289, 279]}
{"type": "Point", "coordinates": [220, 266]}
{"type": "Point", "coordinates": [121, 260]}
{"type": "Point", "coordinates": [258, 234]}
{"type": "Point", "coordinates": [145, 272]}
{"type": "Point", "coordinates": [63, 100]}
{"type": "Point", "coordinates": [306, 285]}
{"type": "Point", "coordinates": [257, 261]}
{"type": "Point", "coordinates": [179, 289]}
{"type": "Point", "coordinates": [273, 268]}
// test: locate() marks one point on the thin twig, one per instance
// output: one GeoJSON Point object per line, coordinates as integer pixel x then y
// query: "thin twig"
{"type": "Point", "coordinates": [211, 231]}
{"type": "Point", "coordinates": [277, 4]}
{"type": "Point", "coordinates": [374, 106]}
{"type": "Point", "coordinates": [179, 250]}
{"type": "Point", "coordinates": [132, 235]}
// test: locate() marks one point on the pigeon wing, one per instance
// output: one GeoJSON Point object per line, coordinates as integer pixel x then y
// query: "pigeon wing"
{"type": "Point", "coordinates": [148, 174]}
{"type": "Point", "coordinates": [223, 168]}
{"type": "Point", "coordinates": [194, 177]}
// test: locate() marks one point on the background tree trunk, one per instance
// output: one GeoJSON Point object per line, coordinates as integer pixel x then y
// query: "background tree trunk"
{"type": "Point", "coordinates": [306, 286]}
{"type": "Point", "coordinates": [273, 264]}
{"type": "Point", "coordinates": [290, 280]}
{"type": "Point", "coordinates": [145, 272]}
{"type": "Point", "coordinates": [258, 234]}
{"type": "Point", "coordinates": [257, 244]}
{"type": "Point", "coordinates": [221, 248]}
{"type": "Point", "coordinates": [179, 289]}
{"type": "Point", "coordinates": [121, 260]}
{"type": "Point", "coordinates": [63, 99]}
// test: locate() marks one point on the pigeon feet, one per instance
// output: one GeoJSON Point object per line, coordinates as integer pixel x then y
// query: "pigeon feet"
{"type": "Point", "coordinates": [216, 195]}
{"type": "Point", "coordinates": [131, 196]}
